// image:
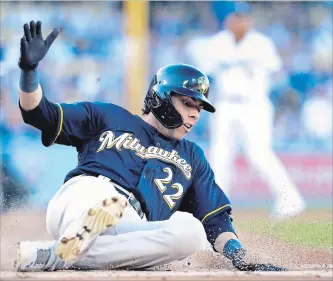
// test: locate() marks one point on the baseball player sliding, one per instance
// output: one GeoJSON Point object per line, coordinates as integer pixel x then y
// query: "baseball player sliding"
{"type": "Point", "coordinates": [116, 207]}
{"type": "Point", "coordinates": [242, 61]}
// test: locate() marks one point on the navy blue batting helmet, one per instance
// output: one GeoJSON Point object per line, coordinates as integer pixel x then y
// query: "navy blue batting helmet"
{"type": "Point", "coordinates": [181, 79]}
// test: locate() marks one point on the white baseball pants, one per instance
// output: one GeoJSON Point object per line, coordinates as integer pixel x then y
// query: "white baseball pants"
{"type": "Point", "coordinates": [249, 124]}
{"type": "Point", "coordinates": [133, 242]}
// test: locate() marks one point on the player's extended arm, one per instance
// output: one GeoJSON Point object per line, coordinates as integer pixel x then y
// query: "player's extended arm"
{"type": "Point", "coordinates": [33, 49]}
{"type": "Point", "coordinates": [207, 202]}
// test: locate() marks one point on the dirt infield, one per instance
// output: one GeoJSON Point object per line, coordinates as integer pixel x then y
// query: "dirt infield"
{"type": "Point", "coordinates": [128, 275]}
{"type": "Point", "coordinates": [304, 263]}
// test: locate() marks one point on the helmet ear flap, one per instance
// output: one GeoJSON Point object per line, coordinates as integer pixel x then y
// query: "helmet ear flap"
{"type": "Point", "coordinates": [151, 99]}
{"type": "Point", "coordinates": [168, 116]}
{"type": "Point", "coordinates": [155, 100]}
{"type": "Point", "coordinates": [163, 109]}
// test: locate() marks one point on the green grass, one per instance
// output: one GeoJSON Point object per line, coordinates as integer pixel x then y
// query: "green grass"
{"type": "Point", "coordinates": [318, 233]}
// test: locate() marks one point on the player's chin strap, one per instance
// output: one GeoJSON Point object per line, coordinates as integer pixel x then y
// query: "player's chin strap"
{"type": "Point", "coordinates": [130, 196]}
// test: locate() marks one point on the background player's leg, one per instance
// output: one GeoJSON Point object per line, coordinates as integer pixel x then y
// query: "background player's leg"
{"type": "Point", "coordinates": [223, 146]}
{"type": "Point", "coordinates": [257, 125]}
{"type": "Point", "coordinates": [140, 244]}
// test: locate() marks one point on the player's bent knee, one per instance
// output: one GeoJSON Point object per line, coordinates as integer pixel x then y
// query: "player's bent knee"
{"type": "Point", "coordinates": [187, 237]}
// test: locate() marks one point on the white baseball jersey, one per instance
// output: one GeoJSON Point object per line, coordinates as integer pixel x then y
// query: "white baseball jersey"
{"type": "Point", "coordinates": [242, 69]}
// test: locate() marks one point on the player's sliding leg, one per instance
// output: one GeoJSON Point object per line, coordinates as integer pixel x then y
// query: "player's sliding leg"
{"type": "Point", "coordinates": [148, 244]}
{"type": "Point", "coordinates": [82, 209]}
{"type": "Point", "coordinates": [138, 244]}
{"type": "Point", "coordinates": [95, 220]}
{"type": "Point", "coordinates": [74, 241]}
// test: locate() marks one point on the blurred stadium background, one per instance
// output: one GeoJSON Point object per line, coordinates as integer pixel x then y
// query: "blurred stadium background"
{"type": "Point", "coordinates": [105, 53]}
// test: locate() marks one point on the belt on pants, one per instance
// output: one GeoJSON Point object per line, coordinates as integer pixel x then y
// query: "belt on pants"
{"type": "Point", "coordinates": [129, 195]}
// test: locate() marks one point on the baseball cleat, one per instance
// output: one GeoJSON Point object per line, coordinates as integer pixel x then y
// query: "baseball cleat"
{"type": "Point", "coordinates": [34, 256]}
{"type": "Point", "coordinates": [95, 221]}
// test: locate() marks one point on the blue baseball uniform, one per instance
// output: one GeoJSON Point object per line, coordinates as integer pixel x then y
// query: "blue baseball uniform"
{"type": "Point", "coordinates": [112, 144]}
{"type": "Point", "coordinates": [164, 175]}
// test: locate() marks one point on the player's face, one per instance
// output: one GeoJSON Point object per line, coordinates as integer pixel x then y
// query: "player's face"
{"type": "Point", "coordinates": [238, 24]}
{"type": "Point", "coordinates": [190, 111]}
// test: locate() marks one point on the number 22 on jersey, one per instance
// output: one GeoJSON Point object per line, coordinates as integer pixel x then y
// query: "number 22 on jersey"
{"type": "Point", "coordinates": [161, 186]}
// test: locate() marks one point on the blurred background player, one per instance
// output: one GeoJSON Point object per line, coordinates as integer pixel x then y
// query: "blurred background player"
{"type": "Point", "coordinates": [242, 62]}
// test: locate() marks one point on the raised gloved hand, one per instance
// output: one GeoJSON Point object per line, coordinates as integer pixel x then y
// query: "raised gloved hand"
{"type": "Point", "coordinates": [33, 47]}
{"type": "Point", "coordinates": [241, 265]}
